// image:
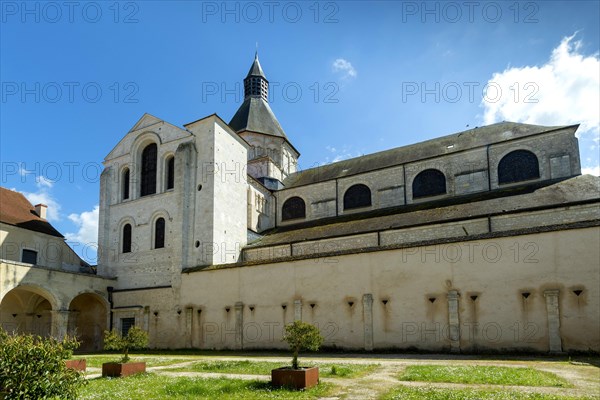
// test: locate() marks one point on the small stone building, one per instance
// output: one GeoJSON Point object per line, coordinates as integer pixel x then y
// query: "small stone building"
{"type": "Point", "coordinates": [45, 288]}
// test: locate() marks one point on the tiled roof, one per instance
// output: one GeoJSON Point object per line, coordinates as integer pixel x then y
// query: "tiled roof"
{"type": "Point", "coordinates": [255, 115]}
{"type": "Point", "coordinates": [16, 210]}
{"type": "Point", "coordinates": [583, 188]}
{"type": "Point", "coordinates": [472, 138]}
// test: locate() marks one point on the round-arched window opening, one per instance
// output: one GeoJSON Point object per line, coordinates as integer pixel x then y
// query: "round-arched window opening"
{"type": "Point", "coordinates": [293, 208]}
{"type": "Point", "coordinates": [429, 182]}
{"type": "Point", "coordinates": [518, 166]}
{"type": "Point", "coordinates": [357, 196]}
{"type": "Point", "coordinates": [199, 187]}
{"type": "Point", "coordinates": [197, 244]}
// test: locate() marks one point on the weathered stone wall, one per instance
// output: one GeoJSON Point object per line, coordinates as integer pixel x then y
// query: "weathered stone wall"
{"type": "Point", "coordinates": [205, 212]}
{"type": "Point", "coordinates": [447, 231]}
{"type": "Point", "coordinates": [261, 207]}
{"type": "Point", "coordinates": [41, 300]}
{"type": "Point", "coordinates": [467, 296]}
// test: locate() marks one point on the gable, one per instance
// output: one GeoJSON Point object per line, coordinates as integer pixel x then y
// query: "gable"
{"type": "Point", "coordinates": [147, 124]}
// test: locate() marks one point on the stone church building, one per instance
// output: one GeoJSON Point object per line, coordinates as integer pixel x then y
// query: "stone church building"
{"type": "Point", "coordinates": [210, 237]}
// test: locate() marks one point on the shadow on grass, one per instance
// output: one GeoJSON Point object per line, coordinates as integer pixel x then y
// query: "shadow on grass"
{"type": "Point", "coordinates": [214, 388]}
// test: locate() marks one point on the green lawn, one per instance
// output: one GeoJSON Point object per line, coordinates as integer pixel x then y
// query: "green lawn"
{"type": "Point", "coordinates": [328, 370]}
{"type": "Point", "coordinates": [427, 393]}
{"type": "Point", "coordinates": [482, 375]}
{"type": "Point", "coordinates": [96, 361]}
{"type": "Point", "coordinates": [153, 387]}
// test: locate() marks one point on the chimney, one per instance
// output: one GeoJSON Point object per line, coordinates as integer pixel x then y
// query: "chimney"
{"type": "Point", "coordinates": [40, 209]}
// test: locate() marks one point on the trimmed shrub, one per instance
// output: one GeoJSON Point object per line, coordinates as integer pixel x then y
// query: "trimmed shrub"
{"type": "Point", "coordinates": [136, 339]}
{"type": "Point", "coordinates": [32, 367]}
{"type": "Point", "coordinates": [302, 336]}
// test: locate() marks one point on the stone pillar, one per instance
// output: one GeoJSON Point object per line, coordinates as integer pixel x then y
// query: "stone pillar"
{"type": "Point", "coordinates": [239, 325]}
{"type": "Point", "coordinates": [188, 327]}
{"type": "Point", "coordinates": [297, 310]}
{"type": "Point", "coordinates": [367, 301]}
{"type": "Point", "coordinates": [146, 319]}
{"type": "Point", "coordinates": [186, 189]}
{"type": "Point", "coordinates": [60, 324]}
{"type": "Point", "coordinates": [453, 321]}
{"type": "Point", "coordinates": [553, 313]}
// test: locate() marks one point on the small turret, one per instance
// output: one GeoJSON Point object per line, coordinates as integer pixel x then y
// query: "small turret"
{"type": "Point", "coordinates": [255, 83]}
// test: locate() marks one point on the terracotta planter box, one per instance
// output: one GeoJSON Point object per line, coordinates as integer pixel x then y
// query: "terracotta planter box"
{"type": "Point", "coordinates": [296, 378]}
{"type": "Point", "coordinates": [78, 365]}
{"type": "Point", "coordinates": [121, 370]}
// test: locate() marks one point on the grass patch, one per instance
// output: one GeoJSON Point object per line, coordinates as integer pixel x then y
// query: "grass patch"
{"type": "Point", "coordinates": [326, 370]}
{"type": "Point", "coordinates": [492, 375]}
{"type": "Point", "coordinates": [157, 387]}
{"type": "Point", "coordinates": [410, 393]}
{"type": "Point", "coordinates": [96, 361]}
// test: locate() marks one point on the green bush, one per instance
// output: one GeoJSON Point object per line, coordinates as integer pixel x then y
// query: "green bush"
{"type": "Point", "coordinates": [32, 367]}
{"type": "Point", "coordinates": [136, 339]}
{"type": "Point", "coordinates": [302, 336]}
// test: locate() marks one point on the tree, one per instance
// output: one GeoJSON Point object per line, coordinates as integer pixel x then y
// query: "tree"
{"type": "Point", "coordinates": [135, 339]}
{"type": "Point", "coordinates": [302, 336]}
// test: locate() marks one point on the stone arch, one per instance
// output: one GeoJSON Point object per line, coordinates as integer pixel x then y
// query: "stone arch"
{"type": "Point", "coordinates": [517, 166]}
{"type": "Point", "coordinates": [28, 309]}
{"type": "Point", "coordinates": [88, 319]}
{"type": "Point", "coordinates": [164, 214]}
{"type": "Point", "coordinates": [125, 183]}
{"type": "Point", "coordinates": [293, 208]}
{"type": "Point", "coordinates": [148, 167]}
{"type": "Point", "coordinates": [137, 148]}
{"type": "Point", "coordinates": [357, 196]}
{"type": "Point", "coordinates": [429, 182]}
{"type": "Point", "coordinates": [168, 171]}
{"type": "Point", "coordinates": [121, 232]}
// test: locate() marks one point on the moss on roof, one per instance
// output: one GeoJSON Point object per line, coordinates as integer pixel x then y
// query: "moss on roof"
{"type": "Point", "coordinates": [461, 141]}
{"type": "Point", "coordinates": [580, 189]}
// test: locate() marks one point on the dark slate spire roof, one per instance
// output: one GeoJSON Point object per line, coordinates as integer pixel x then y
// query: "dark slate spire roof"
{"type": "Point", "coordinates": [255, 69]}
{"type": "Point", "coordinates": [255, 114]}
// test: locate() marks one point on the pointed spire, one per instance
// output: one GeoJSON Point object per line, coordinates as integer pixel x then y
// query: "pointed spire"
{"type": "Point", "coordinates": [255, 83]}
{"type": "Point", "coordinates": [255, 69]}
{"type": "Point", "coordinates": [255, 114]}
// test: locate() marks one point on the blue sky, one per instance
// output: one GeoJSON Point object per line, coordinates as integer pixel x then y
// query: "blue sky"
{"type": "Point", "coordinates": [347, 78]}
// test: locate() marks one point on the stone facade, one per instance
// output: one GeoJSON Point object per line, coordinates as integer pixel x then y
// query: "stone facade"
{"type": "Point", "coordinates": [482, 240]}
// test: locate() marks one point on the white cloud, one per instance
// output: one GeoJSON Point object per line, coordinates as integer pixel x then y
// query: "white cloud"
{"type": "Point", "coordinates": [565, 90]}
{"type": "Point", "coordinates": [591, 170]}
{"type": "Point", "coordinates": [338, 154]}
{"type": "Point", "coordinates": [44, 197]}
{"type": "Point", "coordinates": [42, 181]}
{"type": "Point", "coordinates": [87, 225]}
{"type": "Point", "coordinates": [345, 67]}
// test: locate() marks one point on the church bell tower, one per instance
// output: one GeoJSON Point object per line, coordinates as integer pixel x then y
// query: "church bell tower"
{"type": "Point", "coordinates": [272, 157]}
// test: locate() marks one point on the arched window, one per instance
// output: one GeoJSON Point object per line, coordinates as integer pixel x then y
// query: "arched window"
{"type": "Point", "coordinates": [159, 233]}
{"type": "Point", "coordinates": [517, 166]}
{"type": "Point", "coordinates": [170, 173]}
{"type": "Point", "coordinates": [357, 196]}
{"type": "Point", "coordinates": [430, 182]}
{"type": "Point", "coordinates": [127, 238]}
{"type": "Point", "coordinates": [293, 208]}
{"type": "Point", "coordinates": [125, 184]}
{"type": "Point", "coordinates": [148, 170]}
